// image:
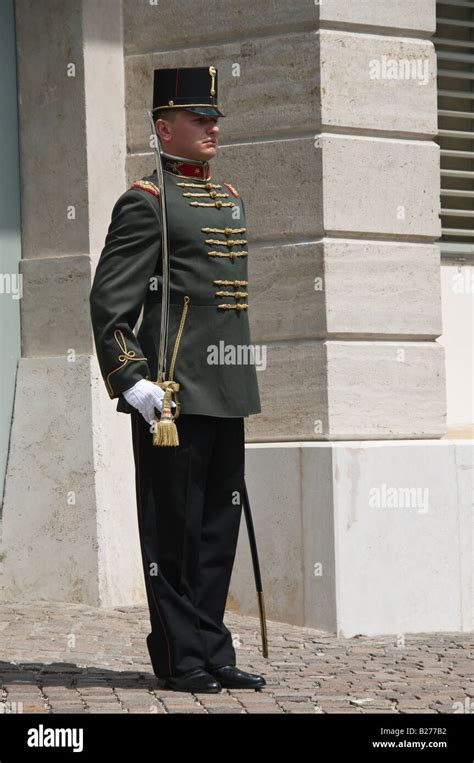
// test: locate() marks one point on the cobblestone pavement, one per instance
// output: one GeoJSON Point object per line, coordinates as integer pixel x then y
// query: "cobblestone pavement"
{"type": "Point", "coordinates": [71, 658]}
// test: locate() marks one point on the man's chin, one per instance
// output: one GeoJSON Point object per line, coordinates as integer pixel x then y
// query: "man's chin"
{"type": "Point", "coordinates": [202, 154]}
{"type": "Point", "coordinates": [208, 152]}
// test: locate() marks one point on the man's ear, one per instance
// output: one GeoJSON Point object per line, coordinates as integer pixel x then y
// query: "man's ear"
{"type": "Point", "coordinates": [162, 129]}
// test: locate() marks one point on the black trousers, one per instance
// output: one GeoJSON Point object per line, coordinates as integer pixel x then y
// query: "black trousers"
{"type": "Point", "coordinates": [189, 502]}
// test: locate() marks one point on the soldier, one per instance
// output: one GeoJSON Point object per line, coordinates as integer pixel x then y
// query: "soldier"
{"type": "Point", "coordinates": [188, 495]}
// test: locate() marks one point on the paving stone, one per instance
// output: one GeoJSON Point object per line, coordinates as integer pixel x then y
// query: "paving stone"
{"type": "Point", "coordinates": [308, 671]}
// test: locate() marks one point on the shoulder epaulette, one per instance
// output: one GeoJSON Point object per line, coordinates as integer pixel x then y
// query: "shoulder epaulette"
{"type": "Point", "coordinates": [232, 190]}
{"type": "Point", "coordinates": [147, 185]}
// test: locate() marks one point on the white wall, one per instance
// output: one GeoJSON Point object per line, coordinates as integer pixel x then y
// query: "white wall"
{"type": "Point", "coordinates": [457, 288]}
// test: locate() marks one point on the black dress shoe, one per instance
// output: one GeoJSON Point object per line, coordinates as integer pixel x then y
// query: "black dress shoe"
{"type": "Point", "coordinates": [196, 680]}
{"type": "Point", "coordinates": [231, 677]}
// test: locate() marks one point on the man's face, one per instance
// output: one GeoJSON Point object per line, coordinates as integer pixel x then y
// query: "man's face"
{"type": "Point", "coordinates": [191, 135]}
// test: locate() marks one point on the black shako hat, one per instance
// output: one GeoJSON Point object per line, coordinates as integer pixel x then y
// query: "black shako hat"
{"type": "Point", "coordinates": [188, 88]}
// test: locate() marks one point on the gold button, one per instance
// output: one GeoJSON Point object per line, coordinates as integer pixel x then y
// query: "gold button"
{"type": "Point", "coordinates": [218, 204]}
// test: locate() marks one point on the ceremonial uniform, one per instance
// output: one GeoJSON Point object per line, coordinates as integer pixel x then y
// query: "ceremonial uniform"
{"type": "Point", "coordinates": [209, 290]}
{"type": "Point", "coordinates": [189, 497]}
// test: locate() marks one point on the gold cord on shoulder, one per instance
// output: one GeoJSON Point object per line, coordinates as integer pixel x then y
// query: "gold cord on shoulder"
{"type": "Point", "coordinates": [147, 185]}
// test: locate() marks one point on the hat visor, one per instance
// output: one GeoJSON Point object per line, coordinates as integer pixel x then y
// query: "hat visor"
{"type": "Point", "coordinates": [211, 111]}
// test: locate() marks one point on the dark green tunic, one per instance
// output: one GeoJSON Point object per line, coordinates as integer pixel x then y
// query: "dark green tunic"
{"type": "Point", "coordinates": [208, 263]}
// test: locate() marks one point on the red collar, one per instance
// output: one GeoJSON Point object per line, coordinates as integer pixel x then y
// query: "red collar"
{"type": "Point", "coordinates": [199, 171]}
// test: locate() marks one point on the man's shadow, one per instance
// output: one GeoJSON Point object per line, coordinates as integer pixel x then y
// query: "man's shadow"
{"type": "Point", "coordinates": [70, 675]}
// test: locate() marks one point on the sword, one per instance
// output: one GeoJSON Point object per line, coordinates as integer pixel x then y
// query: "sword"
{"type": "Point", "coordinates": [165, 255]}
{"type": "Point", "coordinates": [164, 430]}
{"type": "Point", "coordinates": [256, 570]}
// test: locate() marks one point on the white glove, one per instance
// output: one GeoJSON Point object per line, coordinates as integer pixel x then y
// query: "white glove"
{"type": "Point", "coordinates": [145, 396]}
